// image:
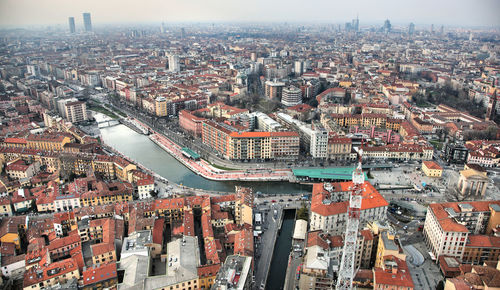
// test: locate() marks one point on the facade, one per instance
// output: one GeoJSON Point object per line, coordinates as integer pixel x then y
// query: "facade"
{"type": "Point", "coordinates": [456, 153]}
{"type": "Point", "coordinates": [329, 206]}
{"type": "Point", "coordinates": [291, 96]}
{"type": "Point", "coordinates": [250, 145]}
{"type": "Point", "coordinates": [190, 123]}
{"type": "Point", "coordinates": [173, 63]}
{"type": "Point", "coordinates": [87, 22]}
{"type": "Point", "coordinates": [76, 111]}
{"type": "Point", "coordinates": [432, 169]}
{"type": "Point", "coordinates": [274, 90]}
{"type": "Point", "coordinates": [472, 182]}
{"type": "Point", "coordinates": [57, 272]}
{"type": "Point", "coordinates": [388, 244]}
{"type": "Point", "coordinates": [339, 148]}
{"type": "Point", "coordinates": [448, 225]}
{"type": "Point", "coordinates": [71, 22]}
{"type": "Point", "coordinates": [144, 188]}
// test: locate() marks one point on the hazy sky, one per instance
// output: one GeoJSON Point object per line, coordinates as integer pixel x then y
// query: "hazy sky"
{"type": "Point", "coordinates": [447, 12]}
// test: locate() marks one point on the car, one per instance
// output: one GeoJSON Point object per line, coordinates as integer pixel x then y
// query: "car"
{"type": "Point", "coordinates": [281, 200]}
{"type": "Point", "coordinates": [262, 286]}
{"type": "Point", "coordinates": [289, 199]}
{"type": "Point", "coordinates": [273, 201]}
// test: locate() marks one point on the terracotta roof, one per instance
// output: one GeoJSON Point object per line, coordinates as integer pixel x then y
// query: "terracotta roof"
{"type": "Point", "coordinates": [432, 165]}
{"type": "Point", "coordinates": [401, 278]}
{"type": "Point", "coordinates": [371, 199]}
{"type": "Point", "coordinates": [99, 273]}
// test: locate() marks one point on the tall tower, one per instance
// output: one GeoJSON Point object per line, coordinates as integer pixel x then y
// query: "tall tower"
{"type": "Point", "coordinates": [173, 63]}
{"type": "Point", "coordinates": [71, 22]}
{"type": "Point", "coordinates": [87, 23]}
{"type": "Point", "coordinates": [411, 29]}
{"type": "Point", "coordinates": [347, 271]}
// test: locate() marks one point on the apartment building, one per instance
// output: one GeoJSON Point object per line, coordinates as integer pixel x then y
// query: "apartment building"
{"type": "Point", "coordinates": [329, 205]}
{"type": "Point", "coordinates": [448, 225]}
{"type": "Point", "coordinates": [76, 112]}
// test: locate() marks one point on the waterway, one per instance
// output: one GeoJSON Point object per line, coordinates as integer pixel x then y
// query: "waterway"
{"type": "Point", "coordinates": [140, 148]}
{"type": "Point", "coordinates": [279, 263]}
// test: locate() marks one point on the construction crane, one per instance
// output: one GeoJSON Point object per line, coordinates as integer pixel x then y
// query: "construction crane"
{"type": "Point", "coordinates": [347, 266]}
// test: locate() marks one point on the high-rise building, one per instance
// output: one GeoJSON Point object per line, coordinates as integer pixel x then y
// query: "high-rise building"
{"type": "Point", "coordinates": [76, 111]}
{"type": "Point", "coordinates": [173, 63]}
{"type": "Point", "coordinates": [355, 24]}
{"type": "Point", "coordinates": [87, 22]}
{"type": "Point", "coordinates": [291, 96]}
{"type": "Point", "coordinates": [387, 26]}
{"type": "Point", "coordinates": [71, 22]}
{"type": "Point", "coordinates": [274, 89]}
{"type": "Point", "coordinates": [298, 67]}
{"type": "Point", "coordinates": [411, 29]}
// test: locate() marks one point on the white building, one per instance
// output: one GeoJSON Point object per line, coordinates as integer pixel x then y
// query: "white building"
{"type": "Point", "coordinates": [319, 142]}
{"type": "Point", "coordinates": [173, 63]}
{"type": "Point", "coordinates": [291, 96]}
{"type": "Point", "coordinates": [13, 266]}
{"type": "Point", "coordinates": [76, 111]}
{"type": "Point", "coordinates": [330, 202]}
{"type": "Point", "coordinates": [65, 202]}
{"type": "Point", "coordinates": [447, 225]}
{"type": "Point", "coordinates": [144, 188]}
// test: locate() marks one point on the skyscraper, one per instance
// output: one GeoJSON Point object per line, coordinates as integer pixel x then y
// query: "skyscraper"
{"type": "Point", "coordinates": [411, 29]}
{"type": "Point", "coordinates": [87, 23]}
{"type": "Point", "coordinates": [71, 21]}
{"type": "Point", "coordinates": [387, 26]}
{"type": "Point", "coordinates": [173, 63]}
{"type": "Point", "coordinates": [355, 24]}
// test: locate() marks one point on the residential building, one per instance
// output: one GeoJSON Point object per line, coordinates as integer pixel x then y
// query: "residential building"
{"type": "Point", "coordinates": [329, 206]}
{"type": "Point", "coordinates": [448, 225]}
{"type": "Point", "coordinates": [76, 112]}
{"type": "Point", "coordinates": [432, 169]}
{"type": "Point", "coordinates": [235, 274]}
{"type": "Point", "coordinates": [291, 96]}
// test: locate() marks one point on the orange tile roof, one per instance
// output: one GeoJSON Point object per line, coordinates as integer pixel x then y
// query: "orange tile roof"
{"type": "Point", "coordinates": [401, 278]}
{"type": "Point", "coordinates": [432, 165]}
{"type": "Point", "coordinates": [99, 273]}
{"type": "Point", "coordinates": [371, 199]}
{"type": "Point", "coordinates": [102, 248]}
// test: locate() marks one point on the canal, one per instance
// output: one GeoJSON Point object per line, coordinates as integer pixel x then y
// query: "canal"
{"type": "Point", "coordinates": [140, 148]}
{"type": "Point", "coordinates": [279, 263]}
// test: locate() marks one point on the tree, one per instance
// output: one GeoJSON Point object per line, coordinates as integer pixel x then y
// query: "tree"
{"type": "Point", "coordinates": [303, 213]}
{"type": "Point", "coordinates": [440, 285]}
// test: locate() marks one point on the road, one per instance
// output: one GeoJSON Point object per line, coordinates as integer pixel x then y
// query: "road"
{"type": "Point", "coordinates": [294, 261]}
{"type": "Point", "coordinates": [265, 248]}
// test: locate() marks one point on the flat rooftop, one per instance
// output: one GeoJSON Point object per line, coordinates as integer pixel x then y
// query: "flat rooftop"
{"type": "Point", "coordinates": [331, 173]}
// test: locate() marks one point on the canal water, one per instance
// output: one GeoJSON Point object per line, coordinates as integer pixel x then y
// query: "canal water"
{"type": "Point", "coordinates": [279, 263]}
{"type": "Point", "coordinates": [141, 149]}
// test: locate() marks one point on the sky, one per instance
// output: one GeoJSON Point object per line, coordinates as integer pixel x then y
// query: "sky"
{"type": "Point", "coordinates": [22, 13]}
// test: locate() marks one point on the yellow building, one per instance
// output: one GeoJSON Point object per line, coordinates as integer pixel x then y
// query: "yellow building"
{"type": "Point", "coordinates": [243, 206]}
{"type": "Point", "coordinates": [123, 169]}
{"type": "Point", "coordinates": [103, 253]}
{"type": "Point", "coordinates": [5, 207]}
{"type": "Point", "coordinates": [432, 169]}
{"type": "Point", "coordinates": [494, 221]}
{"type": "Point", "coordinates": [161, 107]}
{"type": "Point", "coordinates": [47, 141]}
{"type": "Point", "coordinates": [54, 273]}
{"type": "Point", "coordinates": [207, 275]}
{"type": "Point", "coordinates": [388, 245]}
{"type": "Point", "coordinates": [9, 229]}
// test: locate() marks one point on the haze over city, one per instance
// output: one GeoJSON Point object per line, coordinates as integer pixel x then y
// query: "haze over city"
{"type": "Point", "coordinates": [17, 13]}
{"type": "Point", "coordinates": [249, 145]}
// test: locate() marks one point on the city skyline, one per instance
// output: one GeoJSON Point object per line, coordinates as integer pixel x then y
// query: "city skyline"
{"type": "Point", "coordinates": [458, 13]}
